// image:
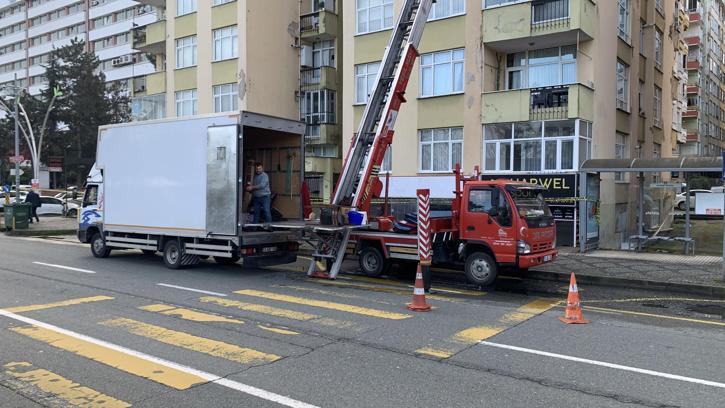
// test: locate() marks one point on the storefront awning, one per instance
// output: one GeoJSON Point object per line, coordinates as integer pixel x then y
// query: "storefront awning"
{"type": "Point", "coordinates": [679, 164]}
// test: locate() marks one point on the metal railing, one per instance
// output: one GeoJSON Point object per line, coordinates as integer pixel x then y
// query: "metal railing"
{"type": "Point", "coordinates": [546, 14]}
{"type": "Point", "coordinates": [310, 22]}
{"type": "Point", "coordinates": [311, 76]}
{"type": "Point", "coordinates": [549, 103]}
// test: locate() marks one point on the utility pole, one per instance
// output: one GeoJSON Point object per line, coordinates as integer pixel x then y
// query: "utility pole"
{"type": "Point", "coordinates": [17, 142]}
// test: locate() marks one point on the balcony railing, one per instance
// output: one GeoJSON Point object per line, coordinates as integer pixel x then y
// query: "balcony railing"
{"type": "Point", "coordinates": [311, 76]}
{"type": "Point", "coordinates": [547, 14]}
{"type": "Point", "coordinates": [549, 103]}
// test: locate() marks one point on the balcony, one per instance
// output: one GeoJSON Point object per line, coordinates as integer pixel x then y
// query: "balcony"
{"type": "Point", "coordinates": [556, 102]}
{"type": "Point", "coordinates": [152, 38]}
{"type": "Point", "coordinates": [514, 27]}
{"type": "Point", "coordinates": [319, 78]}
{"type": "Point", "coordinates": [155, 3]}
{"type": "Point", "coordinates": [156, 83]}
{"type": "Point", "coordinates": [694, 16]}
{"type": "Point", "coordinates": [319, 25]}
{"type": "Point", "coordinates": [693, 65]}
{"type": "Point", "coordinates": [322, 133]}
{"type": "Point", "coordinates": [692, 41]}
{"type": "Point", "coordinates": [693, 89]}
{"type": "Point", "coordinates": [691, 112]}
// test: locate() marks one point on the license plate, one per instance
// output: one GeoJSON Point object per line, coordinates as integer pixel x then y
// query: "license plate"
{"type": "Point", "coordinates": [269, 249]}
{"type": "Point", "coordinates": [547, 258]}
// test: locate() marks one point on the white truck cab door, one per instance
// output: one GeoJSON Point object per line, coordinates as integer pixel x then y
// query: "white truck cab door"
{"type": "Point", "coordinates": [91, 211]}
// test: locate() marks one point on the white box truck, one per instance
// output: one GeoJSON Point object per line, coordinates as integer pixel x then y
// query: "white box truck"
{"type": "Point", "coordinates": [176, 186]}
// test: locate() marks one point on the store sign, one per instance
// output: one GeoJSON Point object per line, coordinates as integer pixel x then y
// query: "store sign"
{"type": "Point", "coordinates": [560, 188]}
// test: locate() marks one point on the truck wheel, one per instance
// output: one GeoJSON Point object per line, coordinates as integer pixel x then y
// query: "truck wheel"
{"type": "Point", "coordinates": [173, 255]}
{"type": "Point", "coordinates": [98, 246]}
{"type": "Point", "coordinates": [481, 269]}
{"type": "Point", "coordinates": [226, 261]}
{"type": "Point", "coordinates": [372, 262]}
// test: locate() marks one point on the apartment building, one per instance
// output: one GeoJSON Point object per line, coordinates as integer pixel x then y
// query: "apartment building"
{"type": "Point", "coordinates": [30, 29]}
{"type": "Point", "coordinates": [321, 93]}
{"type": "Point", "coordinates": [527, 89]}
{"type": "Point", "coordinates": [221, 55]}
{"type": "Point", "coordinates": [704, 118]}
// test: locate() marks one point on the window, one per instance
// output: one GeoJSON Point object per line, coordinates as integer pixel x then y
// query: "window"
{"type": "Point", "coordinates": [621, 152]}
{"type": "Point", "coordinates": [374, 15]}
{"type": "Point", "coordinates": [658, 49]}
{"type": "Point", "coordinates": [447, 8]}
{"type": "Point", "coordinates": [642, 41]}
{"type": "Point", "coordinates": [225, 97]}
{"type": "Point", "coordinates": [319, 107]}
{"type": "Point", "coordinates": [186, 102]}
{"type": "Point", "coordinates": [91, 196]}
{"type": "Point", "coordinates": [692, 5]}
{"type": "Point", "coordinates": [186, 52]}
{"type": "Point", "coordinates": [658, 107]}
{"type": "Point", "coordinates": [641, 98]}
{"type": "Point", "coordinates": [323, 54]}
{"type": "Point", "coordinates": [225, 43]}
{"type": "Point", "coordinates": [623, 24]}
{"type": "Point", "coordinates": [440, 149]}
{"type": "Point", "coordinates": [541, 68]}
{"type": "Point", "coordinates": [492, 3]}
{"type": "Point", "coordinates": [550, 10]}
{"type": "Point", "coordinates": [622, 86]}
{"type": "Point", "coordinates": [365, 75]}
{"type": "Point", "coordinates": [185, 7]}
{"type": "Point", "coordinates": [480, 200]}
{"type": "Point", "coordinates": [441, 73]}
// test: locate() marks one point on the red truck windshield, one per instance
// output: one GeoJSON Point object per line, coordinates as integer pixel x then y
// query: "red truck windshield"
{"type": "Point", "coordinates": [531, 206]}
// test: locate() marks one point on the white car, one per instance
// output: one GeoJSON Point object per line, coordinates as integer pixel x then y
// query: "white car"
{"type": "Point", "coordinates": [51, 206]}
{"type": "Point", "coordinates": [680, 199]}
{"type": "Point", "coordinates": [12, 198]}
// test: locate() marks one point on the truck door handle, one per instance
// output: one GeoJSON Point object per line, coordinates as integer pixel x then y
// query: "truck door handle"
{"type": "Point", "coordinates": [470, 228]}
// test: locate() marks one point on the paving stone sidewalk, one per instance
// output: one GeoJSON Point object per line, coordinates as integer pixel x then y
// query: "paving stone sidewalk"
{"type": "Point", "coordinates": [48, 225]}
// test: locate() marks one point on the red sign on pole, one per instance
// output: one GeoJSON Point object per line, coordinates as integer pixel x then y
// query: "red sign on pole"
{"type": "Point", "coordinates": [16, 159]}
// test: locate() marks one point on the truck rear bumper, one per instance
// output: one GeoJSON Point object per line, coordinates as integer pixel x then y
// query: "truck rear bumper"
{"type": "Point", "coordinates": [528, 261]}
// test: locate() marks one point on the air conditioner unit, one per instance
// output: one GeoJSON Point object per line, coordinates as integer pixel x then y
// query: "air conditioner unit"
{"type": "Point", "coordinates": [306, 56]}
{"type": "Point", "coordinates": [122, 60]}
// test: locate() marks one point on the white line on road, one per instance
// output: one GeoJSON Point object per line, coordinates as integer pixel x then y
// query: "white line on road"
{"type": "Point", "coordinates": [64, 267]}
{"type": "Point", "coordinates": [216, 379]}
{"type": "Point", "coordinates": [605, 364]}
{"type": "Point", "coordinates": [192, 289]}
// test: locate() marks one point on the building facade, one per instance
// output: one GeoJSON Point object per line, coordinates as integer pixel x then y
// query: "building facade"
{"type": "Point", "coordinates": [30, 29]}
{"type": "Point", "coordinates": [704, 117]}
{"type": "Point", "coordinates": [530, 90]}
{"type": "Point", "coordinates": [221, 55]}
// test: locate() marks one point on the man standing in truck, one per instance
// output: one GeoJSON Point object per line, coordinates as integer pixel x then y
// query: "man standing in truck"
{"type": "Point", "coordinates": [261, 194]}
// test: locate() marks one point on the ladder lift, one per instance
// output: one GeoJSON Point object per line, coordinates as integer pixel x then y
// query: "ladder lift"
{"type": "Point", "coordinates": [359, 183]}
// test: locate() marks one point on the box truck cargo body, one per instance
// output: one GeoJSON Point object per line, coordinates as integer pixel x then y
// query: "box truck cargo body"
{"type": "Point", "coordinates": [178, 186]}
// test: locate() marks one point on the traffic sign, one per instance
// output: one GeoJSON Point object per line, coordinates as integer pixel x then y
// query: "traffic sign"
{"type": "Point", "coordinates": [17, 159]}
{"type": "Point", "coordinates": [20, 172]}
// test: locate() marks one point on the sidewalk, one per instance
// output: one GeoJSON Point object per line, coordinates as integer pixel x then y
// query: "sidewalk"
{"type": "Point", "coordinates": [679, 273]}
{"type": "Point", "coordinates": [49, 225]}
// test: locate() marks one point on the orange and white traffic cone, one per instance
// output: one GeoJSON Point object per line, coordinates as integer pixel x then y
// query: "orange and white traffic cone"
{"type": "Point", "coordinates": [419, 304]}
{"type": "Point", "coordinates": [573, 313]}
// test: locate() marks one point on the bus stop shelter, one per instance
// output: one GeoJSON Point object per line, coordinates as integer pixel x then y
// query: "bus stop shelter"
{"type": "Point", "coordinates": [684, 165]}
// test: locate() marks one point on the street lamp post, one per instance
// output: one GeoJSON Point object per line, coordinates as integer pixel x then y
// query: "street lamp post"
{"type": "Point", "coordinates": [17, 143]}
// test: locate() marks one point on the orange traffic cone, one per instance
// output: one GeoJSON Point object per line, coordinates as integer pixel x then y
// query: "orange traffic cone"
{"type": "Point", "coordinates": [573, 314]}
{"type": "Point", "coordinates": [419, 304]}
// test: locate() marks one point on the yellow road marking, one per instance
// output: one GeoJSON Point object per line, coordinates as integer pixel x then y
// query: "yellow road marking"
{"type": "Point", "coordinates": [188, 314]}
{"type": "Point", "coordinates": [325, 304]}
{"type": "Point", "coordinates": [125, 362]}
{"type": "Point", "coordinates": [278, 330]}
{"type": "Point", "coordinates": [435, 352]}
{"type": "Point", "coordinates": [684, 319]}
{"type": "Point", "coordinates": [475, 334]}
{"type": "Point", "coordinates": [383, 290]}
{"type": "Point", "coordinates": [331, 293]}
{"type": "Point", "coordinates": [528, 311]}
{"type": "Point", "coordinates": [407, 285]}
{"type": "Point", "coordinates": [190, 342]}
{"type": "Point", "coordinates": [63, 388]}
{"type": "Point", "coordinates": [275, 311]}
{"type": "Point", "coordinates": [70, 302]}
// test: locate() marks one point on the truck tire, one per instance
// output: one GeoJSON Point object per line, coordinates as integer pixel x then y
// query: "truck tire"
{"type": "Point", "coordinates": [372, 262]}
{"type": "Point", "coordinates": [173, 255]}
{"type": "Point", "coordinates": [226, 261]}
{"type": "Point", "coordinates": [481, 269]}
{"type": "Point", "coordinates": [98, 246]}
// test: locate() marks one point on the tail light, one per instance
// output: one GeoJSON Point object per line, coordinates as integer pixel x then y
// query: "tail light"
{"type": "Point", "coordinates": [248, 251]}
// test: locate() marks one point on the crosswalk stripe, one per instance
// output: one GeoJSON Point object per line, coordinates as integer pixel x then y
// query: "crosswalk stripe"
{"type": "Point", "coordinates": [69, 302]}
{"type": "Point", "coordinates": [188, 314]}
{"type": "Point", "coordinates": [277, 312]}
{"type": "Point", "coordinates": [114, 358]}
{"type": "Point", "coordinates": [62, 388]}
{"type": "Point", "coordinates": [187, 341]}
{"type": "Point", "coordinates": [324, 304]}
{"type": "Point", "coordinates": [278, 330]}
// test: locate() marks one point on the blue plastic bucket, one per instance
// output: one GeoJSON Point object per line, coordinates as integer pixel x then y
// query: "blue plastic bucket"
{"type": "Point", "coordinates": [355, 217]}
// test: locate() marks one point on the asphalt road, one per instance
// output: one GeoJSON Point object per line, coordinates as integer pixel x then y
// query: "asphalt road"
{"type": "Point", "coordinates": [126, 331]}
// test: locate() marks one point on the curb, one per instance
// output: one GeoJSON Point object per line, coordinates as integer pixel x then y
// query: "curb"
{"type": "Point", "coordinates": [687, 288]}
{"type": "Point", "coordinates": [40, 233]}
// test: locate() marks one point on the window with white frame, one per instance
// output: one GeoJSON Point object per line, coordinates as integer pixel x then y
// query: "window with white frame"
{"type": "Point", "coordinates": [186, 52]}
{"type": "Point", "coordinates": [440, 149]}
{"type": "Point", "coordinates": [621, 149]}
{"type": "Point", "coordinates": [365, 75]}
{"type": "Point", "coordinates": [623, 23]}
{"type": "Point", "coordinates": [622, 86]}
{"type": "Point", "coordinates": [535, 146]}
{"type": "Point", "coordinates": [642, 41]}
{"type": "Point", "coordinates": [225, 43]}
{"type": "Point", "coordinates": [323, 53]}
{"type": "Point", "coordinates": [541, 68]}
{"type": "Point", "coordinates": [447, 8]}
{"type": "Point", "coordinates": [658, 106]}
{"type": "Point", "coordinates": [186, 102]}
{"type": "Point", "coordinates": [494, 3]}
{"type": "Point", "coordinates": [319, 107]}
{"type": "Point", "coordinates": [373, 15]}
{"type": "Point", "coordinates": [441, 73]}
{"type": "Point", "coordinates": [225, 97]}
{"type": "Point", "coordinates": [658, 48]}
{"type": "Point", "coordinates": [185, 7]}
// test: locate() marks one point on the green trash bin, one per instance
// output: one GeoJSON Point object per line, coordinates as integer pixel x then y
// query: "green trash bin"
{"type": "Point", "coordinates": [20, 212]}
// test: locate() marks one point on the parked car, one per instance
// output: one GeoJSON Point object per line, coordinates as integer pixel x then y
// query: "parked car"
{"type": "Point", "coordinates": [51, 206]}
{"type": "Point", "coordinates": [12, 198]}
{"type": "Point", "coordinates": [72, 208]}
{"type": "Point", "coordinates": [680, 199]}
